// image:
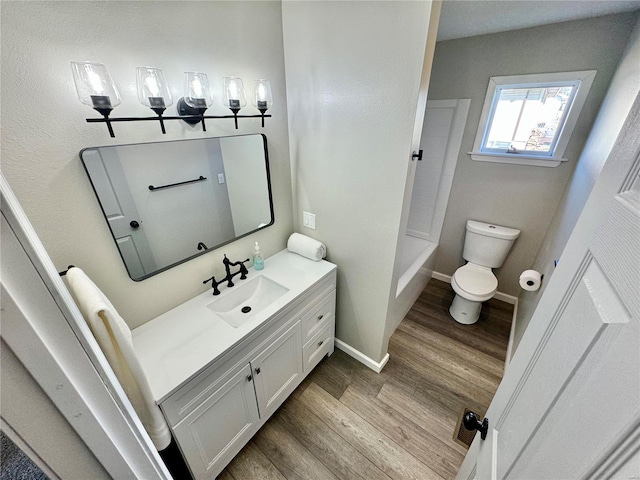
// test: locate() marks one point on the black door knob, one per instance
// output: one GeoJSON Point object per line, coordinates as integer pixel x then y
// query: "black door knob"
{"type": "Point", "coordinates": [472, 422]}
{"type": "Point", "coordinates": [134, 224]}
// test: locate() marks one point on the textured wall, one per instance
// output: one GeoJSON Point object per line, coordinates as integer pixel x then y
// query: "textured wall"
{"type": "Point", "coordinates": [32, 414]}
{"type": "Point", "coordinates": [624, 88]}
{"type": "Point", "coordinates": [43, 126]}
{"type": "Point", "coordinates": [353, 73]}
{"type": "Point", "coordinates": [518, 196]}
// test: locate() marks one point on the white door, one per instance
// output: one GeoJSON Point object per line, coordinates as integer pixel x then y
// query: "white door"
{"type": "Point", "coordinates": [569, 404]}
{"type": "Point", "coordinates": [442, 132]}
{"type": "Point", "coordinates": [108, 179]}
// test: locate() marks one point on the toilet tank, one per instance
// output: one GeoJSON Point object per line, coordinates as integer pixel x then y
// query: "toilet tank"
{"type": "Point", "coordinates": [487, 244]}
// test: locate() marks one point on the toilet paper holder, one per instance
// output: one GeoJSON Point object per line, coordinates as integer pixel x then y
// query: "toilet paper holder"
{"type": "Point", "coordinates": [530, 283]}
{"type": "Point", "coordinates": [531, 280]}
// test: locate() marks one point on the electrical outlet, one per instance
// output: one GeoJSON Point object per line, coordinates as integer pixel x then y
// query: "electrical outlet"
{"type": "Point", "coordinates": [309, 220]}
{"type": "Point", "coordinates": [221, 178]}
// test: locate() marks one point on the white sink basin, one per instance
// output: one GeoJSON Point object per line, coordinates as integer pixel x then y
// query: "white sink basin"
{"type": "Point", "coordinates": [247, 298]}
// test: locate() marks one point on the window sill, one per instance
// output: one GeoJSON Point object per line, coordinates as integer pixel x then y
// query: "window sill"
{"type": "Point", "coordinates": [517, 159]}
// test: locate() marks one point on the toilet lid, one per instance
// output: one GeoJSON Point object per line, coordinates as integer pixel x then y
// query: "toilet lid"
{"type": "Point", "coordinates": [476, 280]}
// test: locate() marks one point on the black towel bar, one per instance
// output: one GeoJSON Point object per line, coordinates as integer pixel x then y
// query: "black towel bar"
{"type": "Point", "coordinates": [63, 273]}
{"type": "Point", "coordinates": [200, 179]}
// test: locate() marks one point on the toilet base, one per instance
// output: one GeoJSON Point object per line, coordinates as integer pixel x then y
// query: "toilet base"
{"type": "Point", "coordinates": [465, 311]}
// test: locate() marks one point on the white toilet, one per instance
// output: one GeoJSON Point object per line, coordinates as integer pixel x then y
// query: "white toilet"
{"type": "Point", "coordinates": [485, 247]}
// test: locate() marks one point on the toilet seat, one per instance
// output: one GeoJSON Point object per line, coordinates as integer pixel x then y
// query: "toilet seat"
{"type": "Point", "coordinates": [474, 282]}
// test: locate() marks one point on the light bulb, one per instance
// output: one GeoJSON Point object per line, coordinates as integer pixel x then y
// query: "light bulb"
{"type": "Point", "coordinates": [95, 81]}
{"type": "Point", "coordinates": [233, 90]}
{"type": "Point", "coordinates": [152, 86]}
{"type": "Point", "coordinates": [196, 88]}
{"type": "Point", "coordinates": [261, 93]}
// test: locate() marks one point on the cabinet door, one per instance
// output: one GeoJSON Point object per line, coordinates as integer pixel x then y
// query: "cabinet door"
{"type": "Point", "coordinates": [213, 433]}
{"type": "Point", "coordinates": [278, 370]}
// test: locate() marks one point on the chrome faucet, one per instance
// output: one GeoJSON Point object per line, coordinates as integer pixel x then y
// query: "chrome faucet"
{"type": "Point", "coordinates": [229, 277]}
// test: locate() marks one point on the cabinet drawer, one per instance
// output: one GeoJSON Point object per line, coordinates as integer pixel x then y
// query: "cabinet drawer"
{"type": "Point", "coordinates": [314, 319]}
{"type": "Point", "coordinates": [318, 346]}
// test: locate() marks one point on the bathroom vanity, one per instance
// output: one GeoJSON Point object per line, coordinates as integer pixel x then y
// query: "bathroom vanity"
{"type": "Point", "coordinates": [220, 366]}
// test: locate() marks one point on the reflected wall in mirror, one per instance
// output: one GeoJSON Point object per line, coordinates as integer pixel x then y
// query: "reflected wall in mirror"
{"type": "Point", "coordinates": [168, 202]}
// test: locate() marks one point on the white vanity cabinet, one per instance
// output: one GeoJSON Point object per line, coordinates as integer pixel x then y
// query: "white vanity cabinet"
{"type": "Point", "coordinates": [218, 428]}
{"type": "Point", "coordinates": [215, 410]}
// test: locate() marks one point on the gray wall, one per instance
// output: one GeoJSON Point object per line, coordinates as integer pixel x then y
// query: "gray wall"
{"type": "Point", "coordinates": [353, 75]}
{"type": "Point", "coordinates": [44, 128]}
{"type": "Point", "coordinates": [518, 196]}
{"type": "Point", "coordinates": [624, 88]}
{"type": "Point", "coordinates": [30, 413]}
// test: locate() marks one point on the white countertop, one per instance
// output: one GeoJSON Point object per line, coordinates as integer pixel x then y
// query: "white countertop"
{"type": "Point", "coordinates": [176, 345]}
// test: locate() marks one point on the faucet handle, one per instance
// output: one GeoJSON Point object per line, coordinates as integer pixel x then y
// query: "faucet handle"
{"type": "Point", "coordinates": [214, 284]}
{"type": "Point", "coordinates": [243, 269]}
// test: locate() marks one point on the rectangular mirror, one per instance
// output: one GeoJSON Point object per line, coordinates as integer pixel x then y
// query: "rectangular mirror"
{"type": "Point", "coordinates": [168, 202]}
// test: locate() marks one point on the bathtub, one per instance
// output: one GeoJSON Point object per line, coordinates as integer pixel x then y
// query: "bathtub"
{"type": "Point", "coordinates": [416, 268]}
{"type": "Point", "coordinates": [417, 254]}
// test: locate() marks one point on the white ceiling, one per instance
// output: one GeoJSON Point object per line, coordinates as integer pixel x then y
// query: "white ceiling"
{"type": "Point", "coordinates": [466, 18]}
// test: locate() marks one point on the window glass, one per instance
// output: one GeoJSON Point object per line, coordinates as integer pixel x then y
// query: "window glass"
{"type": "Point", "coordinates": [528, 118]}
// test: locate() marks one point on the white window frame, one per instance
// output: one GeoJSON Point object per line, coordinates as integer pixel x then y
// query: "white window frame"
{"type": "Point", "coordinates": [583, 79]}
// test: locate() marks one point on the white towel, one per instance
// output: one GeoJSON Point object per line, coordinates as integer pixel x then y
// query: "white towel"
{"type": "Point", "coordinates": [307, 247]}
{"type": "Point", "coordinates": [114, 337]}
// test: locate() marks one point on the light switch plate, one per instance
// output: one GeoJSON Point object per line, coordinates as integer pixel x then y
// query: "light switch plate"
{"type": "Point", "coordinates": [309, 220]}
{"type": "Point", "coordinates": [221, 178]}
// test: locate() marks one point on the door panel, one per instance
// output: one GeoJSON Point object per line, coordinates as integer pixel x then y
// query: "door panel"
{"type": "Point", "coordinates": [277, 370]}
{"type": "Point", "coordinates": [230, 412]}
{"type": "Point", "coordinates": [120, 210]}
{"type": "Point", "coordinates": [569, 403]}
{"type": "Point", "coordinates": [585, 403]}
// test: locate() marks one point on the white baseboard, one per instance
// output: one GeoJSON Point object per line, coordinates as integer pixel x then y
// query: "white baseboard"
{"type": "Point", "coordinates": [503, 297]}
{"type": "Point", "coordinates": [442, 277]}
{"type": "Point", "coordinates": [512, 334]}
{"type": "Point", "coordinates": [361, 357]}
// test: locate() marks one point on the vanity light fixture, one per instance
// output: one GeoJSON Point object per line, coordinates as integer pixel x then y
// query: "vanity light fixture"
{"type": "Point", "coordinates": [153, 91]}
{"type": "Point", "coordinates": [96, 89]}
{"type": "Point", "coordinates": [233, 96]}
{"type": "Point", "coordinates": [262, 98]}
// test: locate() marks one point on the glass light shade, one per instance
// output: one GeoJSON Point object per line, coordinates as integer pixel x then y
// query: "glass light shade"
{"type": "Point", "coordinates": [262, 98]}
{"type": "Point", "coordinates": [153, 90]}
{"type": "Point", "coordinates": [95, 86]}
{"type": "Point", "coordinates": [233, 96]}
{"type": "Point", "coordinates": [197, 93]}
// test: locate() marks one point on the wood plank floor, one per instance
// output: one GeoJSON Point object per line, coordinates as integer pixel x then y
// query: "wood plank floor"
{"type": "Point", "coordinates": [347, 422]}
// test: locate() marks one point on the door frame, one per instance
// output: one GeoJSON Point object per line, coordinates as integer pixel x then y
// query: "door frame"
{"type": "Point", "coordinates": [88, 395]}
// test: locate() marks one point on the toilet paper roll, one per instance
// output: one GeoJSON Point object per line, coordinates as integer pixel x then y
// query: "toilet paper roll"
{"type": "Point", "coordinates": [530, 280]}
